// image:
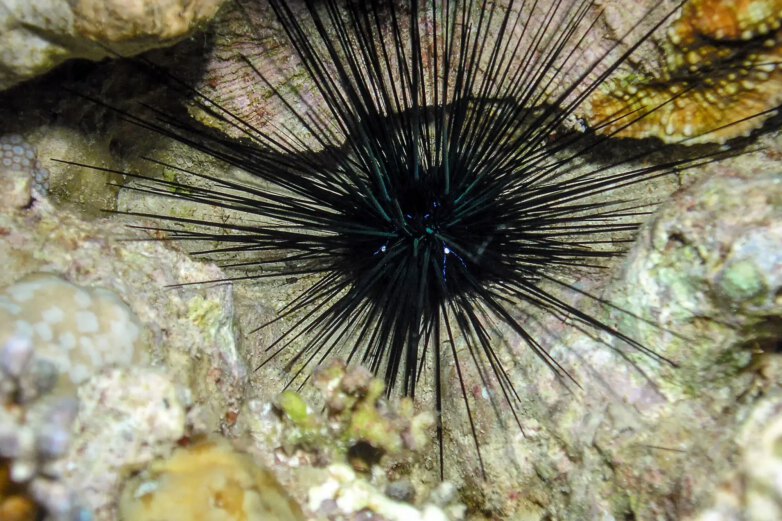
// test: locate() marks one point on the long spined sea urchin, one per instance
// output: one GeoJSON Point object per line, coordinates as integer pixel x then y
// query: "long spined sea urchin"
{"type": "Point", "coordinates": [440, 188]}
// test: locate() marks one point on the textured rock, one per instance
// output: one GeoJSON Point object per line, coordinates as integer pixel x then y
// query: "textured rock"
{"type": "Point", "coordinates": [640, 438]}
{"type": "Point", "coordinates": [126, 419]}
{"type": "Point", "coordinates": [344, 495]}
{"type": "Point", "coordinates": [357, 417]}
{"type": "Point", "coordinates": [253, 33]}
{"type": "Point", "coordinates": [359, 437]}
{"type": "Point", "coordinates": [623, 447]}
{"type": "Point", "coordinates": [117, 311]}
{"type": "Point", "coordinates": [708, 273]}
{"type": "Point", "coordinates": [36, 35]}
{"type": "Point", "coordinates": [753, 490]}
{"type": "Point", "coordinates": [115, 21]}
{"type": "Point", "coordinates": [189, 331]}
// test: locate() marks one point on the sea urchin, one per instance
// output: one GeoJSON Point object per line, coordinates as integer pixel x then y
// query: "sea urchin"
{"type": "Point", "coordinates": [438, 189]}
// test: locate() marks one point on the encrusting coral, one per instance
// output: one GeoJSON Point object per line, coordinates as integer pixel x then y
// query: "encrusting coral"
{"type": "Point", "coordinates": [17, 154]}
{"type": "Point", "coordinates": [35, 434]}
{"type": "Point", "coordinates": [721, 79]}
{"type": "Point", "coordinates": [78, 329]}
{"type": "Point", "coordinates": [208, 481]}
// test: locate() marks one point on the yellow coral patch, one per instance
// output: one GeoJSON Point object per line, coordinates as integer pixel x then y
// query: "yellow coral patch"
{"type": "Point", "coordinates": [728, 19]}
{"type": "Point", "coordinates": [209, 481]}
{"type": "Point", "coordinates": [15, 504]}
{"type": "Point", "coordinates": [713, 89]}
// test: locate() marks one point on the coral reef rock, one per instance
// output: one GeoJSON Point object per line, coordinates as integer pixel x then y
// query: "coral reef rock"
{"type": "Point", "coordinates": [707, 272]}
{"type": "Point", "coordinates": [344, 495]}
{"type": "Point", "coordinates": [189, 331]}
{"type": "Point", "coordinates": [36, 35]}
{"type": "Point", "coordinates": [359, 426]}
{"type": "Point", "coordinates": [352, 459]}
{"type": "Point", "coordinates": [208, 481]}
{"type": "Point", "coordinates": [643, 439]}
{"type": "Point", "coordinates": [22, 172]}
{"type": "Point", "coordinates": [126, 419]}
{"type": "Point", "coordinates": [753, 491]}
{"type": "Point", "coordinates": [80, 330]}
{"type": "Point", "coordinates": [721, 78]}
{"type": "Point", "coordinates": [35, 435]}
{"type": "Point", "coordinates": [99, 313]}
{"type": "Point", "coordinates": [250, 33]}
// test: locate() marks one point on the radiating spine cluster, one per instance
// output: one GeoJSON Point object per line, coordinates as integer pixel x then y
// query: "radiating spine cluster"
{"type": "Point", "coordinates": [440, 192]}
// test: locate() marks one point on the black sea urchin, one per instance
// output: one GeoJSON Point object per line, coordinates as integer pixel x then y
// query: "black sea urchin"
{"type": "Point", "coordinates": [442, 188]}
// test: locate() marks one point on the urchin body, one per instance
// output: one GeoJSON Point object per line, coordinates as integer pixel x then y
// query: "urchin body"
{"type": "Point", "coordinates": [443, 193]}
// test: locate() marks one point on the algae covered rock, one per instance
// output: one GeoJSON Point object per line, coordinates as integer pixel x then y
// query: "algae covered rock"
{"type": "Point", "coordinates": [650, 442]}
{"type": "Point", "coordinates": [353, 458]}
{"type": "Point", "coordinates": [359, 425]}
{"type": "Point", "coordinates": [706, 273]}
{"type": "Point", "coordinates": [98, 311]}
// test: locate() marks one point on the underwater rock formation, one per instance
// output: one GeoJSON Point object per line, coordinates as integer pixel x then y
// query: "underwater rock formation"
{"type": "Point", "coordinates": [97, 319]}
{"type": "Point", "coordinates": [339, 460]}
{"type": "Point", "coordinates": [345, 496]}
{"type": "Point", "coordinates": [707, 272]}
{"type": "Point", "coordinates": [706, 269]}
{"type": "Point", "coordinates": [127, 418]}
{"type": "Point", "coordinates": [639, 438]}
{"type": "Point", "coordinates": [189, 331]}
{"type": "Point", "coordinates": [37, 35]}
{"type": "Point", "coordinates": [752, 490]}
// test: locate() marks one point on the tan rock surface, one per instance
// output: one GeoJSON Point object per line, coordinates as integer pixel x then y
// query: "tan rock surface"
{"type": "Point", "coordinates": [38, 35]}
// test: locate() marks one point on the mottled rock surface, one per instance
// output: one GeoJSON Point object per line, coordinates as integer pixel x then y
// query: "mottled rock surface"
{"type": "Point", "coordinates": [700, 287]}
{"type": "Point", "coordinates": [127, 418]}
{"type": "Point", "coordinates": [751, 491]}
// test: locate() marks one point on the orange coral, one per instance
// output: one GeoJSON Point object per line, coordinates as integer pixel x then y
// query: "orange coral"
{"type": "Point", "coordinates": [713, 89]}
{"type": "Point", "coordinates": [14, 504]}
{"type": "Point", "coordinates": [726, 20]}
